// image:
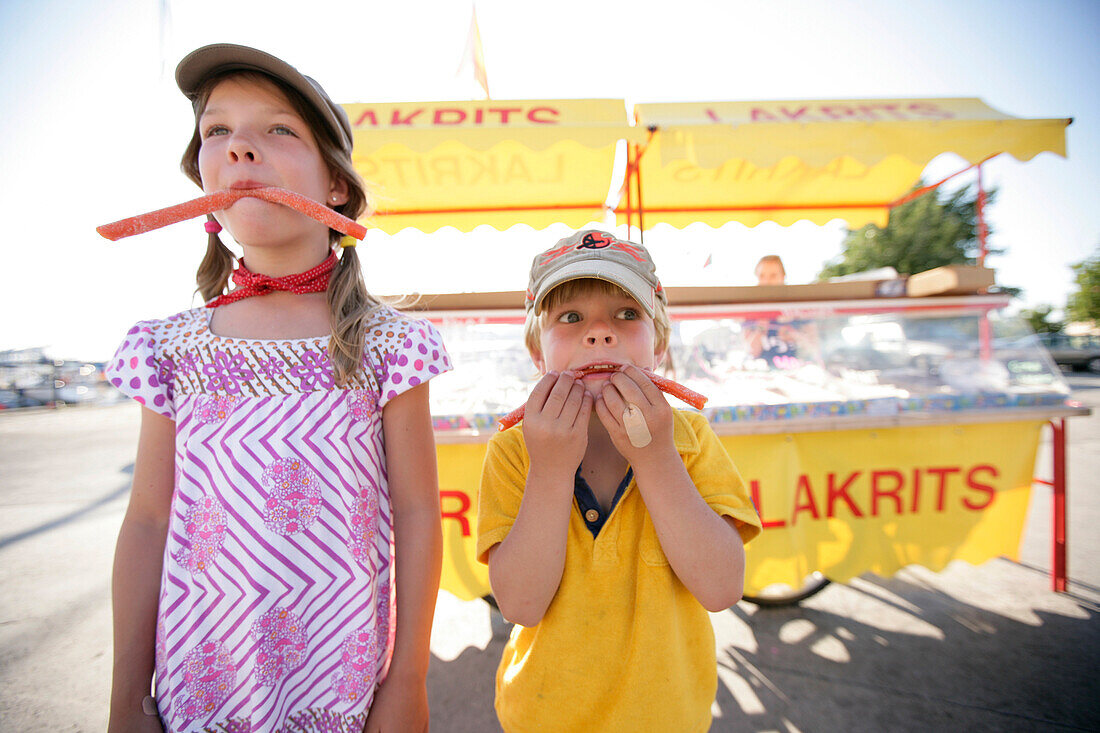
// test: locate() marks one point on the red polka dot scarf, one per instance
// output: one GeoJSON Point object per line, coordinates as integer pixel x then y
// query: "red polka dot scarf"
{"type": "Point", "coordinates": [250, 283]}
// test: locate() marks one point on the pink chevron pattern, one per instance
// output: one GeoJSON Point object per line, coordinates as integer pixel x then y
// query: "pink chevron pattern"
{"type": "Point", "coordinates": [275, 610]}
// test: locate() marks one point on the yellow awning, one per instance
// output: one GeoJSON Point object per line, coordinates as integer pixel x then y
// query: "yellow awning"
{"type": "Point", "coordinates": [463, 164]}
{"type": "Point", "coordinates": [750, 162]}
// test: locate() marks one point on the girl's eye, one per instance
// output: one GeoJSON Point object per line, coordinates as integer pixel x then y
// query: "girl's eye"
{"type": "Point", "coordinates": [282, 130]}
{"type": "Point", "coordinates": [215, 130]}
{"type": "Point", "coordinates": [628, 314]}
{"type": "Point", "coordinates": [569, 317]}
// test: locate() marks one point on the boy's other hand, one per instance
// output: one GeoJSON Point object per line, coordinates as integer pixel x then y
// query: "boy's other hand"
{"type": "Point", "coordinates": [631, 386]}
{"type": "Point", "coordinates": [555, 423]}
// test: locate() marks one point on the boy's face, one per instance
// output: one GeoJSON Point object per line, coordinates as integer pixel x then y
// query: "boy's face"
{"type": "Point", "coordinates": [592, 328]}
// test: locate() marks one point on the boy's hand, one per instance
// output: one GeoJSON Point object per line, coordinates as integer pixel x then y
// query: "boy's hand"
{"type": "Point", "coordinates": [555, 422]}
{"type": "Point", "coordinates": [629, 387]}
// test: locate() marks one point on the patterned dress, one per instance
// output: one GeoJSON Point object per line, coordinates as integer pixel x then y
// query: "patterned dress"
{"type": "Point", "coordinates": [275, 600]}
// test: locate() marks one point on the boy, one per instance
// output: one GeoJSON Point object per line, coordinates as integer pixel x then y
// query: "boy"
{"type": "Point", "coordinates": [610, 522]}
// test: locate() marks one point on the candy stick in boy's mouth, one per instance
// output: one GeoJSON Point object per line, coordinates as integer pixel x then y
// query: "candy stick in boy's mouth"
{"type": "Point", "coordinates": [223, 200]}
{"type": "Point", "coordinates": [664, 384]}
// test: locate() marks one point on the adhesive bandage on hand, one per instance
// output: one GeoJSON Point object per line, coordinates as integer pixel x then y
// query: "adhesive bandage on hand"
{"type": "Point", "coordinates": [637, 431]}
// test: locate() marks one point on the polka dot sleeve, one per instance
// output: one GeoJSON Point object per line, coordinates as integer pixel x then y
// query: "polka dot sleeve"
{"type": "Point", "coordinates": [412, 360]}
{"type": "Point", "coordinates": [136, 370]}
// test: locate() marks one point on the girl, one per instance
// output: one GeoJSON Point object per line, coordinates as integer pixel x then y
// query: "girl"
{"type": "Point", "coordinates": [275, 464]}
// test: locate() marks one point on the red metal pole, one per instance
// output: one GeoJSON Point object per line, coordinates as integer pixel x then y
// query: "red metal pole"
{"type": "Point", "coordinates": [638, 183]}
{"type": "Point", "coordinates": [629, 193]}
{"type": "Point", "coordinates": [1058, 569]}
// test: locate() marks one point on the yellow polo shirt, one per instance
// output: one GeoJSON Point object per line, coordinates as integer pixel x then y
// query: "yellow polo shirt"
{"type": "Point", "coordinates": [624, 646]}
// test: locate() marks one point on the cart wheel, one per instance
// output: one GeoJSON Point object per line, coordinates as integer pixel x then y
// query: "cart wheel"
{"type": "Point", "coordinates": [785, 595]}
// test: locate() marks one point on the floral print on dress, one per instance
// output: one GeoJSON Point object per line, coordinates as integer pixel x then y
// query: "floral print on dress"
{"type": "Point", "coordinates": [315, 372]}
{"type": "Point", "coordinates": [167, 372]}
{"type": "Point", "coordinates": [188, 363]}
{"type": "Point", "coordinates": [295, 496]}
{"type": "Point", "coordinates": [364, 524]}
{"type": "Point", "coordinates": [272, 367]}
{"type": "Point", "coordinates": [209, 675]}
{"type": "Point", "coordinates": [227, 372]}
{"type": "Point", "coordinates": [160, 660]}
{"type": "Point", "coordinates": [213, 408]}
{"type": "Point", "coordinates": [282, 645]}
{"type": "Point", "coordinates": [325, 721]}
{"type": "Point", "coordinates": [382, 615]}
{"type": "Point", "coordinates": [223, 557]}
{"type": "Point", "coordinates": [357, 664]}
{"type": "Point", "coordinates": [204, 530]}
{"type": "Point", "coordinates": [362, 404]}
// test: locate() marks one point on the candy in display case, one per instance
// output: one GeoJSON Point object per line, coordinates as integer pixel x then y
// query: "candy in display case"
{"type": "Point", "coordinates": [777, 361]}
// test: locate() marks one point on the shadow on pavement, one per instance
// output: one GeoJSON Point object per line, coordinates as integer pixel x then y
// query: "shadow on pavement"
{"type": "Point", "coordinates": [71, 516]}
{"type": "Point", "coordinates": [461, 691]}
{"type": "Point", "coordinates": [953, 666]}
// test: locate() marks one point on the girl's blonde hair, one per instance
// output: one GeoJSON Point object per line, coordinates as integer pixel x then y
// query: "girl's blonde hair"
{"type": "Point", "coordinates": [350, 304]}
{"type": "Point", "coordinates": [532, 327]}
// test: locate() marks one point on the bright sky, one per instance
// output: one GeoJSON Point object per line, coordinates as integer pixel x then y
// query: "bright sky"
{"type": "Point", "coordinates": [93, 126]}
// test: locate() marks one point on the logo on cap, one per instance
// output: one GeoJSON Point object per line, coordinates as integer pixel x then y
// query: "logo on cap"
{"type": "Point", "coordinates": [595, 240]}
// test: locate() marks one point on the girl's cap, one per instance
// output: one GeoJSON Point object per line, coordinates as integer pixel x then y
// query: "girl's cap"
{"type": "Point", "coordinates": [201, 63]}
{"type": "Point", "coordinates": [594, 254]}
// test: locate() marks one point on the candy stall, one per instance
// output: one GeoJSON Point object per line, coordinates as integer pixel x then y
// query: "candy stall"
{"type": "Point", "coordinates": [873, 433]}
{"type": "Point", "coordinates": [877, 423]}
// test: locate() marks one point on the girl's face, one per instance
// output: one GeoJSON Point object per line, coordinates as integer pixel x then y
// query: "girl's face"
{"type": "Point", "coordinates": [253, 137]}
{"type": "Point", "coordinates": [596, 328]}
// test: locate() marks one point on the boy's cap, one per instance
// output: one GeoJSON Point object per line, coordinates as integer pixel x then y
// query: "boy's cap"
{"type": "Point", "coordinates": [201, 63]}
{"type": "Point", "coordinates": [595, 254]}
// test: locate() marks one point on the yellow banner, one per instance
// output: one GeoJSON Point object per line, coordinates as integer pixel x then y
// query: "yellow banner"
{"type": "Point", "coordinates": [507, 184]}
{"type": "Point", "coordinates": [494, 162]}
{"type": "Point", "coordinates": [818, 131]}
{"type": "Point", "coordinates": [842, 503]}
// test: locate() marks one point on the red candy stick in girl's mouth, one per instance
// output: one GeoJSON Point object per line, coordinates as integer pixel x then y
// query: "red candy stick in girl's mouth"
{"type": "Point", "coordinates": [224, 199]}
{"type": "Point", "coordinates": [667, 386]}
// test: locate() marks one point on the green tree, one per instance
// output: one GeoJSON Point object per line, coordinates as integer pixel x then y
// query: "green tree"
{"type": "Point", "coordinates": [930, 231]}
{"type": "Point", "coordinates": [1084, 305]}
{"type": "Point", "coordinates": [1039, 319]}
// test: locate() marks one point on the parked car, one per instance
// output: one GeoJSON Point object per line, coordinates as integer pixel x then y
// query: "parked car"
{"type": "Point", "coordinates": [1073, 352]}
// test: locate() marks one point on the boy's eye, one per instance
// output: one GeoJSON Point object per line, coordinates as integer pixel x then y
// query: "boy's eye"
{"type": "Point", "coordinates": [569, 317]}
{"type": "Point", "coordinates": [628, 314]}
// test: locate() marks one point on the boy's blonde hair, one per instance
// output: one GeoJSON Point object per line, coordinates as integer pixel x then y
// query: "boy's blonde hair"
{"type": "Point", "coordinates": [349, 301]}
{"type": "Point", "coordinates": [532, 327]}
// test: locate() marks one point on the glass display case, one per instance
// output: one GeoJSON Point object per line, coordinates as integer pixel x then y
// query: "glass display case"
{"type": "Point", "coordinates": [783, 361]}
{"type": "Point", "coordinates": [871, 433]}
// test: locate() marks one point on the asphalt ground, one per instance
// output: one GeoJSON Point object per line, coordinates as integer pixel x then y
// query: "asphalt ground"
{"type": "Point", "coordinates": [970, 648]}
